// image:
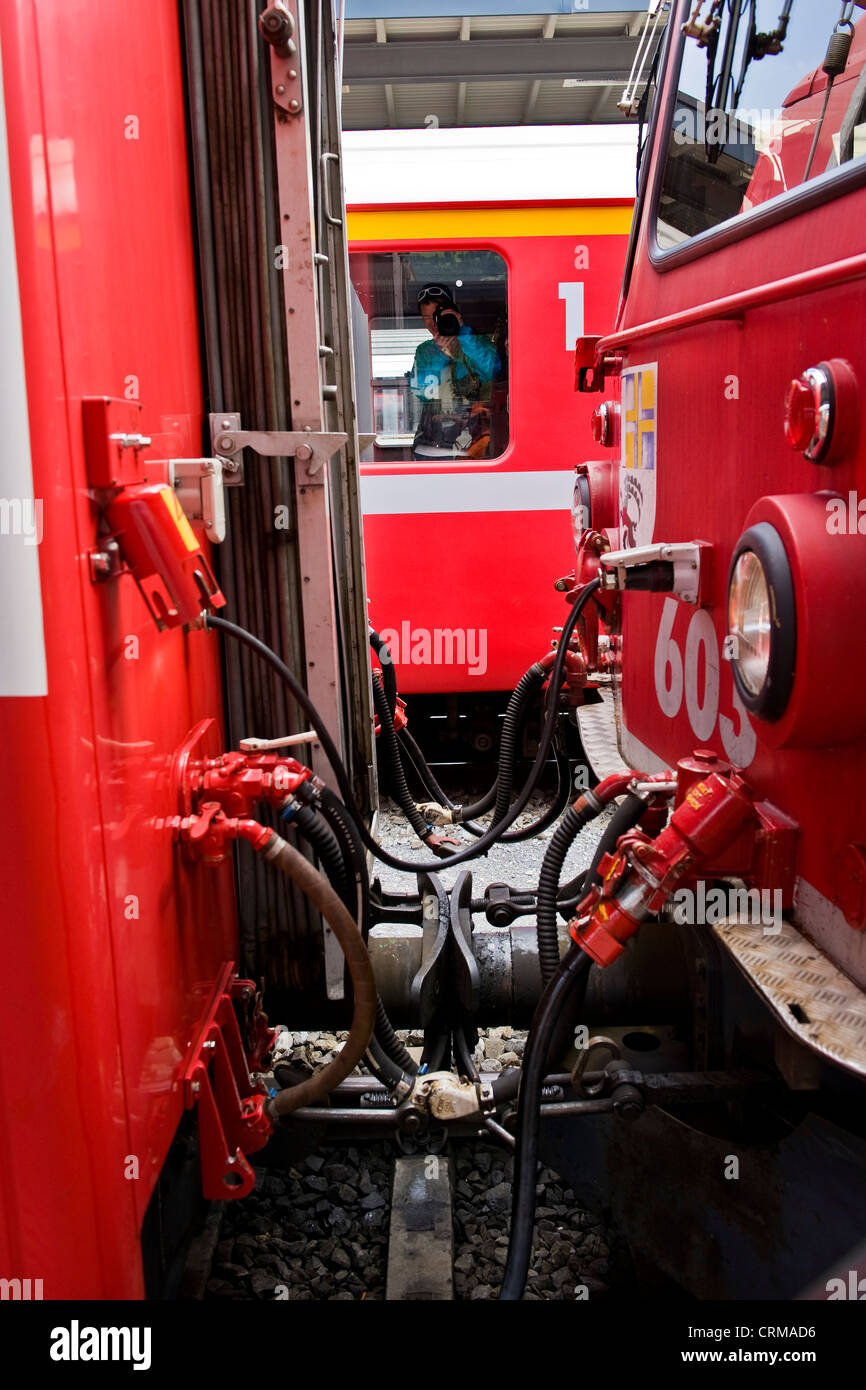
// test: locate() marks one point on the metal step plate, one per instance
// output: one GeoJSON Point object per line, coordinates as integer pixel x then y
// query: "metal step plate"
{"type": "Point", "coordinates": [597, 725]}
{"type": "Point", "coordinates": [809, 994]}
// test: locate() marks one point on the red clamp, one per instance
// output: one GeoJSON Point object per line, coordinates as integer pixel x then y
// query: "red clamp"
{"type": "Point", "coordinates": [207, 833]}
{"type": "Point", "coordinates": [232, 1118]}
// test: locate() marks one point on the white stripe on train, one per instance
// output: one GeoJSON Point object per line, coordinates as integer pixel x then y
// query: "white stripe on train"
{"type": "Point", "coordinates": [389, 494]}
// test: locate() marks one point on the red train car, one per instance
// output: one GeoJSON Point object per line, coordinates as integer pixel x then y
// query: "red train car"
{"type": "Point", "coordinates": [526, 231]}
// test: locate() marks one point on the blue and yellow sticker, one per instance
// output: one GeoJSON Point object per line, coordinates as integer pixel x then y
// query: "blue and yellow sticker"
{"type": "Point", "coordinates": [637, 479]}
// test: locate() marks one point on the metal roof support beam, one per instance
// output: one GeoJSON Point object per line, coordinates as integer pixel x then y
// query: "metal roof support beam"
{"type": "Point", "coordinates": [586, 57]}
{"type": "Point", "coordinates": [531, 99]}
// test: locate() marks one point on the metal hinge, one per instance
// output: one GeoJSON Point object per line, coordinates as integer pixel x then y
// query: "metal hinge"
{"type": "Point", "coordinates": [308, 447]}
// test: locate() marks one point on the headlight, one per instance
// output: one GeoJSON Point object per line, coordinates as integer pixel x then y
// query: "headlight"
{"type": "Point", "coordinates": [581, 508]}
{"type": "Point", "coordinates": [762, 621]}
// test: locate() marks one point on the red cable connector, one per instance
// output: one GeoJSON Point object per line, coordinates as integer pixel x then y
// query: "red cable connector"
{"type": "Point", "coordinates": [641, 873]}
{"type": "Point", "coordinates": [236, 781]}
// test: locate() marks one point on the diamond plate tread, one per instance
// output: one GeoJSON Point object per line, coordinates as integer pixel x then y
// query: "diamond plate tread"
{"type": "Point", "coordinates": [597, 724]}
{"type": "Point", "coordinates": [792, 974]}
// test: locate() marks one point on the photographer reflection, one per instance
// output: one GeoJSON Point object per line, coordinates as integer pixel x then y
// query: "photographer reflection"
{"type": "Point", "coordinates": [452, 377]}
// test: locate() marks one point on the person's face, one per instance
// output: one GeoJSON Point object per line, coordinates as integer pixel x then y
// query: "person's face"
{"type": "Point", "coordinates": [427, 313]}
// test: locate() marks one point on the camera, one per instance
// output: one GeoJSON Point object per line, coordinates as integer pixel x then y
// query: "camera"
{"type": "Point", "coordinates": [447, 322]}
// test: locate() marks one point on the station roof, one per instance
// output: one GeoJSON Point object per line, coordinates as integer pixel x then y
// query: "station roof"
{"type": "Point", "coordinates": [412, 64]}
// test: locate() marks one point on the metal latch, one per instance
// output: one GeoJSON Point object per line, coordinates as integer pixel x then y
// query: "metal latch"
{"type": "Point", "coordinates": [198, 484]}
{"type": "Point", "coordinates": [308, 447]}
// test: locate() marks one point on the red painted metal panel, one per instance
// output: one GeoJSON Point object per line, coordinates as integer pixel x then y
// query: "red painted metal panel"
{"type": "Point", "coordinates": [727, 331]}
{"type": "Point", "coordinates": [112, 941]}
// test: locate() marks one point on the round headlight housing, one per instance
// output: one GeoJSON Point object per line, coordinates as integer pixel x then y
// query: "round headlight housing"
{"type": "Point", "coordinates": [581, 508]}
{"type": "Point", "coordinates": [762, 622]}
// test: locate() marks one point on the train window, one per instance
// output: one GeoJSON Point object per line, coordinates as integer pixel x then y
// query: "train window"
{"type": "Point", "coordinates": [437, 331]}
{"type": "Point", "coordinates": [773, 99]}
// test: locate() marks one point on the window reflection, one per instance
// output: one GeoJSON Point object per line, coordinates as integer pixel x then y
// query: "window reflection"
{"type": "Point", "coordinates": [437, 328]}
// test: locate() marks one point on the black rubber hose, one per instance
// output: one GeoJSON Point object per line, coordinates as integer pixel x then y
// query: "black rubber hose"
{"type": "Point", "coordinates": [384, 1067]}
{"type": "Point", "coordinates": [396, 774]}
{"type": "Point", "coordinates": [548, 887]}
{"type": "Point", "coordinates": [492, 834]}
{"type": "Point", "coordinates": [526, 687]}
{"type": "Point", "coordinates": [436, 1054]}
{"type": "Point", "coordinates": [389, 675]}
{"type": "Point", "coordinates": [352, 851]}
{"type": "Point", "coordinates": [554, 810]}
{"type": "Point", "coordinates": [324, 842]}
{"type": "Point", "coordinates": [410, 750]}
{"type": "Point", "coordinates": [511, 726]}
{"type": "Point", "coordinates": [555, 998]}
{"type": "Point", "coordinates": [391, 1043]}
{"type": "Point", "coordinates": [624, 818]}
{"type": "Point", "coordinates": [506, 1084]}
{"type": "Point", "coordinates": [350, 842]}
{"type": "Point", "coordinates": [463, 1055]}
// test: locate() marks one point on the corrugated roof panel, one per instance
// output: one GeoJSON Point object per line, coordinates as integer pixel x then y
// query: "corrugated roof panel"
{"type": "Point", "coordinates": [360, 30]}
{"type": "Point", "coordinates": [507, 26]}
{"type": "Point", "coordinates": [568, 104]}
{"type": "Point", "coordinates": [415, 102]}
{"type": "Point", "coordinates": [364, 108]}
{"type": "Point", "coordinates": [495, 103]}
{"type": "Point", "coordinates": [613, 23]}
{"type": "Point", "coordinates": [427, 28]}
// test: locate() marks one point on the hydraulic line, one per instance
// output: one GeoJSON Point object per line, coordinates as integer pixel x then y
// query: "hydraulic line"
{"type": "Point", "coordinates": [410, 750]}
{"type": "Point", "coordinates": [389, 675]}
{"type": "Point", "coordinates": [548, 885]}
{"type": "Point", "coordinates": [399, 785]}
{"type": "Point", "coordinates": [345, 832]}
{"type": "Point", "coordinates": [511, 726]}
{"type": "Point", "coordinates": [352, 848]}
{"type": "Point", "coordinates": [554, 810]}
{"type": "Point", "coordinates": [624, 818]}
{"type": "Point", "coordinates": [463, 1055]}
{"type": "Point", "coordinates": [548, 896]}
{"type": "Point", "coordinates": [558, 993]}
{"type": "Point", "coordinates": [526, 687]}
{"type": "Point", "coordinates": [324, 842]}
{"type": "Point", "coordinates": [495, 831]}
{"type": "Point", "coordinates": [437, 1050]}
{"type": "Point", "coordinates": [293, 864]}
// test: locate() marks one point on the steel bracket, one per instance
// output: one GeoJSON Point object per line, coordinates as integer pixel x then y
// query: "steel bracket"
{"type": "Point", "coordinates": [232, 1119]}
{"type": "Point", "coordinates": [310, 448]}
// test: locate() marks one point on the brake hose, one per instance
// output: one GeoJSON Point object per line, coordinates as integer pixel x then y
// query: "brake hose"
{"type": "Point", "coordinates": [388, 743]}
{"type": "Point", "coordinates": [352, 849]}
{"type": "Point", "coordinates": [210, 621]}
{"type": "Point", "coordinates": [316, 887]}
{"type": "Point", "coordinates": [556, 997]}
{"type": "Point", "coordinates": [389, 675]}
{"type": "Point", "coordinates": [624, 818]}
